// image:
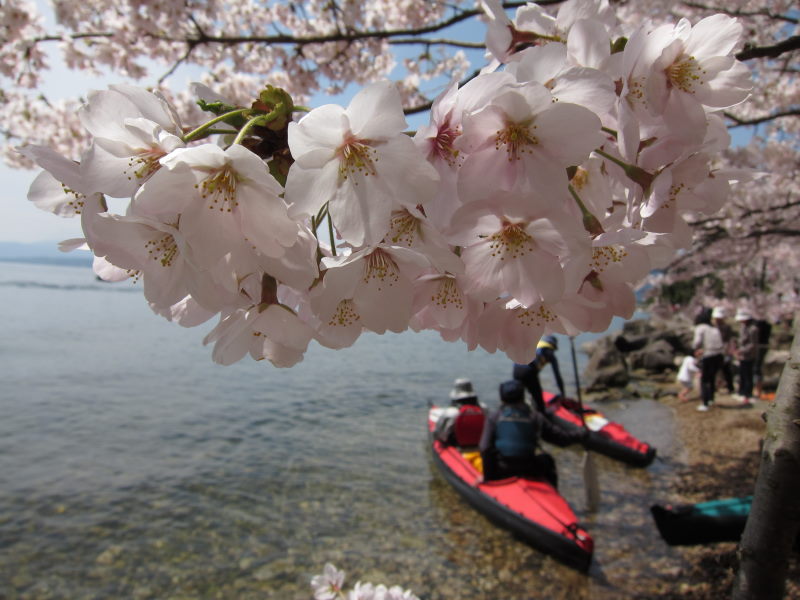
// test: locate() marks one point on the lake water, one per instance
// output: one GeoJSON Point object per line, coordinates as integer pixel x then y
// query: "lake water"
{"type": "Point", "coordinates": [132, 466]}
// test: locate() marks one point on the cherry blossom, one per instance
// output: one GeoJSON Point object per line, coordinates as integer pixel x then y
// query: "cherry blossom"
{"type": "Point", "coordinates": [535, 200]}
{"type": "Point", "coordinates": [359, 162]}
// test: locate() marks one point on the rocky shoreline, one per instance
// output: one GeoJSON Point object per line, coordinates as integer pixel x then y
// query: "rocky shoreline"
{"type": "Point", "coordinates": [721, 448]}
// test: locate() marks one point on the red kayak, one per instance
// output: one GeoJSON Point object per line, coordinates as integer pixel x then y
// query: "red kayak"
{"type": "Point", "coordinates": [530, 508]}
{"type": "Point", "coordinates": [605, 437]}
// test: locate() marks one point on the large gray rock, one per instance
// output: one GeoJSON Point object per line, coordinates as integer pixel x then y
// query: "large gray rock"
{"type": "Point", "coordinates": [606, 367]}
{"type": "Point", "coordinates": [657, 356]}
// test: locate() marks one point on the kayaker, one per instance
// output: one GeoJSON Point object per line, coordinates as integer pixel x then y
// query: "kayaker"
{"type": "Point", "coordinates": [511, 435]}
{"type": "Point", "coordinates": [528, 374]}
{"type": "Point", "coordinates": [461, 423]}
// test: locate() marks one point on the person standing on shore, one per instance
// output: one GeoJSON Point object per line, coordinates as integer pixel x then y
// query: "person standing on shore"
{"type": "Point", "coordinates": [528, 374]}
{"type": "Point", "coordinates": [747, 352]}
{"type": "Point", "coordinates": [708, 347]}
{"type": "Point", "coordinates": [729, 343]}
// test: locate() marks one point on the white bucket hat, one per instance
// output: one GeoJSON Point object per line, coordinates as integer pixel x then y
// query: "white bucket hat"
{"type": "Point", "coordinates": [718, 313]}
{"type": "Point", "coordinates": [743, 315]}
{"type": "Point", "coordinates": [462, 388]}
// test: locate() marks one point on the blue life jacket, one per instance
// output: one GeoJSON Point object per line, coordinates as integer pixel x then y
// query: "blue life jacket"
{"type": "Point", "coordinates": [515, 434]}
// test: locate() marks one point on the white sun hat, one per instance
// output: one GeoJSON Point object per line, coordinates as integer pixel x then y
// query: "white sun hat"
{"type": "Point", "coordinates": [462, 388]}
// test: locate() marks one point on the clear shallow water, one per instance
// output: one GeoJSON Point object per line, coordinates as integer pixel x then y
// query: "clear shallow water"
{"type": "Point", "coordinates": [132, 466]}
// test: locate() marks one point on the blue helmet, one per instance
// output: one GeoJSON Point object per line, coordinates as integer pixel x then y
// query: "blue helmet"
{"type": "Point", "coordinates": [512, 391]}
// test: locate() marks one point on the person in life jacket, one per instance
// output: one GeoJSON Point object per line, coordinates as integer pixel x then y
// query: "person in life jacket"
{"type": "Point", "coordinates": [511, 436]}
{"type": "Point", "coordinates": [462, 422]}
{"type": "Point", "coordinates": [528, 374]}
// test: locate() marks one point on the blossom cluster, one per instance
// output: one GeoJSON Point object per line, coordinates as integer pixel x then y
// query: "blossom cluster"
{"type": "Point", "coordinates": [330, 586]}
{"type": "Point", "coordinates": [538, 195]}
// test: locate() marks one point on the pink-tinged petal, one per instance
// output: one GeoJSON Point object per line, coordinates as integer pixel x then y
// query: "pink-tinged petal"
{"type": "Point", "coordinates": [539, 64]}
{"type": "Point", "coordinates": [104, 114]}
{"type": "Point", "coordinates": [73, 244]}
{"type": "Point", "coordinates": [532, 17]}
{"type": "Point", "coordinates": [727, 88]}
{"type": "Point", "coordinates": [46, 193]}
{"type": "Point", "coordinates": [658, 86]}
{"type": "Point", "coordinates": [188, 313]}
{"type": "Point", "coordinates": [569, 132]}
{"type": "Point", "coordinates": [708, 197]}
{"type": "Point", "coordinates": [480, 129]}
{"type": "Point", "coordinates": [441, 299]}
{"type": "Point", "coordinates": [376, 112]}
{"type": "Point", "coordinates": [164, 286]}
{"type": "Point", "coordinates": [361, 210]}
{"type": "Point", "coordinates": [540, 267]}
{"type": "Point", "coordinates": [108, 272]}
{"type": "Point", "coordinates": [340, 327]}
{"type": "Point", "coordinates": [61, 168]}
{"type": "Point", "coordinates": [339, 282]}
{"type": "Point", "coordinates": [588, 44]}
{"type": "Point", "coordinates": [297, 267]}
{"type": "Point", "coordinates": [167, 191]}
{"type": "Point", "coordinates": [264, 221]}
{"type": "Point", "coordinates": [520, 332]}
{"type": "Point", "coordinates": [231, 338]}
{"type": "Point", "coordinates": [204, 156]}
{"type": "Point", "coordinates": [550, 237]}
{"type": "Point", "coordinates": [473, 183]}
{"type": "Point", "coordinates": [210, 234]}
{"type": "Point", "coordinates": [314, 139]}
{"type": "Point", "coordinates": [529, 98]}
{"type": "Point", "coordinates": [283, 327]}
{"type": "Point", "coordinates": [307, 190]}
{"type": "Point", "coordinates": [479, 92]}
{"type": "Point", "coordinates": [109, 174]}
{"type": "Point", "coordinates": [483, 278]}
{"type": "Point", "coordinates": [413, 179]}
{"type": "Point", "coordinates": [384, 299]}
{"type": "Point", "coordinates": [121, 240]}
{"type": "Point", "coordinates": [586, 87]}
{"type": "Point", "coordinates": [148, 105]}
{"type": "Point", "coordinates": [716, 35]}
{"type": "Point", "coordinates": [251, 167]}
{"type": "Point", "coordinates": [627, 131]}
{"type": "Point", "coordinates": [685, 118]}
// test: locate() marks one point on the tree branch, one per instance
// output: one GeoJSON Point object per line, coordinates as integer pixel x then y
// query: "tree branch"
{"type": "Point", "coordinates": [436, 42]}
{"type": "Point", "coordinates": [758, 120]}
{"type": "Point", "coordinates": [787, 45]}
{"type": "Point", "coordinates": [742, 13]}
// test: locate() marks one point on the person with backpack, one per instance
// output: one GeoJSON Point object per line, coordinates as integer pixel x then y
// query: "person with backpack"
{"type": "Point", "coordinates": [528, 374]}
{"type": "Point", "coordinates": [747, 353]}
{"type": "Point", "coordinates": [511, 437]}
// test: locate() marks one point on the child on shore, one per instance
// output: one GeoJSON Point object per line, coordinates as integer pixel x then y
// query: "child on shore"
{"type": "Point", "coordinates": [686, 376]}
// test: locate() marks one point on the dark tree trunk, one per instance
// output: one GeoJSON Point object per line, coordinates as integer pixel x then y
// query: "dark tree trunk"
{"type": "Point", "coordinates": [775, 515]}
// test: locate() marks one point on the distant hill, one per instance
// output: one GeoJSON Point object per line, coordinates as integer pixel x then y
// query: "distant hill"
{"type": "Point", "coordinates": [43, 253]}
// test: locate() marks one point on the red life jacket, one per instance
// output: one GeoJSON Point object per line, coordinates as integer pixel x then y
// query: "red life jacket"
{"type": "Point", "coordinates": [469, 425]}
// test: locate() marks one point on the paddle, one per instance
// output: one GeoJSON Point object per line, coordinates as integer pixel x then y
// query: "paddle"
{"type": "Point", "coordinates": [590, 482]}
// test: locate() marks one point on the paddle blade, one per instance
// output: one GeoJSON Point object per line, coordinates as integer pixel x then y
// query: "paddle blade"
{"type": "Point", "coordinates": [590, 482]}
